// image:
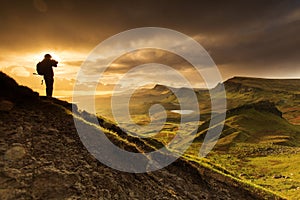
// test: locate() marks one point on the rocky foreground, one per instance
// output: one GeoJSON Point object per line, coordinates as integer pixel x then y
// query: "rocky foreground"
{"type": "Point", "coordinates": [42, 157]}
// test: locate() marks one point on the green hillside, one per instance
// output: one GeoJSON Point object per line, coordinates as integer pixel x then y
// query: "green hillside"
{"type": "Point", "coordinates": [260, 141]}
{"type": "Point", "coordinates": [258, 145]}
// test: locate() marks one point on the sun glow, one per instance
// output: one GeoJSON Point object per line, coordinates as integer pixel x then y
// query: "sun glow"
{"type": "Point", "coordinates": [66, 59]}
{"type": "Point", "coordinates": [40, 56]}
{"type": "Point", "coordinates": [22, 68]}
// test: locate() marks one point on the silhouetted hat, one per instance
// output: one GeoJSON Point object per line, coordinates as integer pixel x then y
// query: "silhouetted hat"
{"type": "Point", "coordinates": [48, 56]}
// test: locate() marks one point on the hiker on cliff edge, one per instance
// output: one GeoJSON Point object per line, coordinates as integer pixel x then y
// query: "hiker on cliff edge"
{"type": "Point", "coordinates": [45, 68]}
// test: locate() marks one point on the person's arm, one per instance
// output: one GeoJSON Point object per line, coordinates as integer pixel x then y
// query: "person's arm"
{"type": "Point", "coordinates": [54, 63]}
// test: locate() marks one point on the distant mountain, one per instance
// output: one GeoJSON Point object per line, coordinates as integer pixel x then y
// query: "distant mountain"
{"type": "Point", "coordinates": [285, 93]}
{"type": "Point", "coordinates": [246, 84]}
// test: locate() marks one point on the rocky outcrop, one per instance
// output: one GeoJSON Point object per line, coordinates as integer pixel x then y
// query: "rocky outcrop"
{"type": "Point", "coordinates": [160, 88]}
{"type": "Point", "coordinates": [10, 90]}
{"type": "Point", "coordinates": [236, 85]}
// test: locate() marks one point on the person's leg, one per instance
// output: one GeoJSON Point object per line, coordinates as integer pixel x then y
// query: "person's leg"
{"type": "Point", "coordinates": [50, 88]}
{"type": "Point", "coordinates": [49, 85]}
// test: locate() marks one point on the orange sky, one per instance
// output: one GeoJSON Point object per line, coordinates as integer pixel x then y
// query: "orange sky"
{"type": "Point", "coordinates": [251, 38]}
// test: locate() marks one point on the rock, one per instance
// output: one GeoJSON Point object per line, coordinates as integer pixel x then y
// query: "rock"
{"type": "Point", "coordinates": [27, 127]}
{"type": "Point", "coordinates": [43, 129]}
{"type": "Point", "coordinates": [19, 130]}
{"type": "Point", "coordinates": [131, 194]}
{"type": "Point", "coordinates": [105, 193]}
{"type": "Point", "coordinates": [6, 105]}
{"type": "Point", "coordinates": [15, 153]}
{"type": "Point", "coordinates": [69, 140]}
{"type": "Point", "coordinates": [6, 194]}
{"type": "Point", "coordinates": [277, 176]}
{"type": "Point", "coordinates": [48, 182]}
{"type": "Point", "coordinates": [53, 130]}
{"type": "Point", "coordinates": [11, 172]}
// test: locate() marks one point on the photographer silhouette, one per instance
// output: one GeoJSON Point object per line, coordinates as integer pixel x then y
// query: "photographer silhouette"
{"type": "Point", "coordinates": [45, 68]}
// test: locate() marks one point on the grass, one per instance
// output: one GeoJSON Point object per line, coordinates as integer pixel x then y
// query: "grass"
{"type": "Point", "coordinates": [259, 146]}
{"type": "Point", "coordinates": [246, 184]}
{"type": "Point", "coordinates": [255, 146]}
{"type": "Point", "coordinates": [263, 170]}
{"type": "Point", "coordinates": [271, 166]}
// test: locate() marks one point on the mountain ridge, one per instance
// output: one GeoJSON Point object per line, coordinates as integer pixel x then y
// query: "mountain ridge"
{"type": "Point", "coordinates": [239, 79]}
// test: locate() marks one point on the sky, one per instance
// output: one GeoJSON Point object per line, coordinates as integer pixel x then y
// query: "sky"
{"type": "Point", "coordinates": [244, 38]}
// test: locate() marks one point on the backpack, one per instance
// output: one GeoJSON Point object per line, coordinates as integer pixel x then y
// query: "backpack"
{"type": "Point", "coordinates": [40, 69]}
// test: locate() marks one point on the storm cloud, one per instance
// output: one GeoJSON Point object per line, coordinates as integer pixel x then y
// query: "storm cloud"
{"type": "Point", "coordinates": [243, 37]}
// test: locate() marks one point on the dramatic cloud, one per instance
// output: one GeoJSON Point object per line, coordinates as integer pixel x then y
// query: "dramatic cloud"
{"type": "Point", "coordinates": [254, 38]}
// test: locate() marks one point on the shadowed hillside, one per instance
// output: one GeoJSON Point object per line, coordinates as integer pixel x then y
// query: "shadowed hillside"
{"type": "Point", "coordinates": [10, 90]}
{"type": "Point", "coordinates": [285, 93]}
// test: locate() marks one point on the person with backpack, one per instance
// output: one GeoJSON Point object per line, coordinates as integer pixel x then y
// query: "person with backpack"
{"type": "Point", "coordinates": [44, 68]}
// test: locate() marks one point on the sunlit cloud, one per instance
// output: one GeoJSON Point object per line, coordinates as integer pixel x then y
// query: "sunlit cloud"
{"type": "Point", "coordinates": [20, 71]}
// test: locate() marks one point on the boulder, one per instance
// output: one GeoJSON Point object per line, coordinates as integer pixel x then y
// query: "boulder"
{"type": "Point", "coordinates": [6, 105]}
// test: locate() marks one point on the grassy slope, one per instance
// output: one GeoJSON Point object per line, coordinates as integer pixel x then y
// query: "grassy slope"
{"type": "Point", "coordinates": [258, 146]}
{"type": "Point", "coordinates": [255, 146]}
